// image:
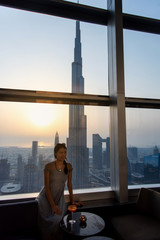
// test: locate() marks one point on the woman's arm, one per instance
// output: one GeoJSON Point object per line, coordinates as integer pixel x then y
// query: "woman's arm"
{"type": "Point", "coordinates": [69, 185]}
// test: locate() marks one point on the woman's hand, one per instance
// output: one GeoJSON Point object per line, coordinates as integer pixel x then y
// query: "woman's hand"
{"type": "Point", "coordinates": [78, 204]}
{"type": "Point", "coordinates": [56, 210]}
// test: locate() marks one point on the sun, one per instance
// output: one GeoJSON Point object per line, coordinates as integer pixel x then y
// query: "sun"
{"type": "Point", "coordinates": [41, 116]}
{"type": "Point", "coordinates": [40, 119]}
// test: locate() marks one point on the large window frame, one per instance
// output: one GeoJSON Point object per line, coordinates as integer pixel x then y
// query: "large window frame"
{"type": "Point", "coordinates": [116, 22]}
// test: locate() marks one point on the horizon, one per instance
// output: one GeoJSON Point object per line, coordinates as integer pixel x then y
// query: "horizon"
{"type": "Point", "coordinates": [52, 146]}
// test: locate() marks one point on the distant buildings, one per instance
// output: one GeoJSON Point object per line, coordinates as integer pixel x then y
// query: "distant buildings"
{"type": "Point", "coordinates": [30, 183]}
{"type": "Point", "coordinates": [30, 180]}
{"type": "Point", "coordinates": [4, 170]}
{"type": "Point", "coordinates": [28, 177]}
{"type": "Point", "coordinates": [152, 168]}
{"type": "Point", "coordinates": [34, 152]}
{"type": "Point", "coordinates": [101, 156]}
{"type": "Point", "coordinates": [20, 169]}
{"type": "Point", "coordinates": [97, 151]}
{"type": "Point", "coordinates": [155, 150]}
{"type": "Point", "coordinates": [145, 170]}
{"type": "Point", "coordinates": [132, 153]}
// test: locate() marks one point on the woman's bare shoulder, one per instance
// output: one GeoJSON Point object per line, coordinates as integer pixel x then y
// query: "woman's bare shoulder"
{"type": "Point", "coordinates": [49, 166]}
{"type": "Point", "coordinates": [69, 165]}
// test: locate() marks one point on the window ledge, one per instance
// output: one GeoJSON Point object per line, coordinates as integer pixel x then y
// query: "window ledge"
{"type": "Point", "coordinates": [90, 197]}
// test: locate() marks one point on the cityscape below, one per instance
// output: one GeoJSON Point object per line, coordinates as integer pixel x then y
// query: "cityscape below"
{"type": "Point", "coordinates": [21, 169]}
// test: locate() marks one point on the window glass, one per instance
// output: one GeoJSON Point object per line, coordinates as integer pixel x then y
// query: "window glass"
{"type": "Point", "coordinates": [144, 8]}
{"type": "Point", "coordinates": [96, 3]}
{"type": "Point", "coordinates": [141, 63]}
{"type": "Point", "coordinates": [99, 145]}
{"type": "Point", "coordinates": [143, 146]}
{"type": "Point", "coordinates": [29, 132]}
{"type": "Point", "coordinates": [38, 53]}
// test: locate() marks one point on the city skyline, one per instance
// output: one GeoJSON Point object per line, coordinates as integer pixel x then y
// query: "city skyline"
{"type": "Point", "coordinates": [39, 57]}
{"type": "Point", "coordinates": [22, 173]}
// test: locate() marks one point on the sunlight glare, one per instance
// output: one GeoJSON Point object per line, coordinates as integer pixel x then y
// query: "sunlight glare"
{"type": "Point", "coordinates": [41, 116]}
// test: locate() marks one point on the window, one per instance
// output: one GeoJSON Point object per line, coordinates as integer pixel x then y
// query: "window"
{"type": "Point", "coordinates": [38, 50]}
{"type": "Point", "coordinates": [142, 8]}
{"type": "Point", "coordinates": [141, 54]}
{"type": "Point", "coordinates": [143, 137]}
{"type": "Point", "coordinates": [28, 136]}
{"type": "Point", "coordinates": [25, 65]}
{"type": "Point", "coordinates": [100, 4]}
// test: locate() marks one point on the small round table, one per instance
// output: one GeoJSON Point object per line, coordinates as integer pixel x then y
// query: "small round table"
{"type": "Point", "coordinates": [93, 225]}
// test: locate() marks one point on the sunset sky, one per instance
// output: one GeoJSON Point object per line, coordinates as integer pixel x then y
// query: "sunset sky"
{"type": "Point", "coordinates": [37, 51]}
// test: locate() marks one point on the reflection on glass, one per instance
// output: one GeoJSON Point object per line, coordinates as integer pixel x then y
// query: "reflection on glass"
{"type": "Point", "coordinates": [143, 146]}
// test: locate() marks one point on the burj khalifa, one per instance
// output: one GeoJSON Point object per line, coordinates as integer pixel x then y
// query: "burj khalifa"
{"type": "Point", "coordinates": [78, 153]}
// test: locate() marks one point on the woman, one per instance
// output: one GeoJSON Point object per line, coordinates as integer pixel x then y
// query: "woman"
{"type": "Point", "coordinates": [52, 206]}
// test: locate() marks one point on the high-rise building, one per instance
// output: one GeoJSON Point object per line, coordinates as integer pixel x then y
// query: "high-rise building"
{"type": "Point", "coordinates": [99, 156]}
{"type": "Point", "coordinates": [30, 179]}
{"type": "Point", "coordinates": [56, 139]}
{"type": "Point", "coordinates": [78, 153]}
{"type": "Point", "coordinates": [108, 151]}
{"type": "Point", "coordinates": [35, 152]}
{"type": "Point", "coordinates": [152, 168]}
{"type": "Point", "coordinates": [20, 169]}
{"type": "Point", "coordinates": [4, 169]}
{"type": "Point", "coordinates": [30, 182]}
{"type": "Point", "coordinates": [97, 151]}
{"type": "Point", "coordinates": [132, 153]}
{"type": "Point", "coordinates": [155, 150]}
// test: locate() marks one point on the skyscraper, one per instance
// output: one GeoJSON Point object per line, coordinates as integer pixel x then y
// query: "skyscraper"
{"type": "Point", "coordinates": [4, 169]}
{"type": "Point", "coordinates": [108, 151]}
{"type": "Point", "coordinates": [97, 151]}
{"type": "Point", "coordinates": [35, 152]}
{"type": "Point", "coordinates": [20, 169]}
{"type": "Point", "coordinates": [56, 139]}
{"type": "Point", "coordinates": [100, 157]}
{"type": "Point", "coordinates": [132, 153]}
{"type": "Point", "coordinates": [30, 179]}
{"type": "Point", "coordinates": [78, 153]}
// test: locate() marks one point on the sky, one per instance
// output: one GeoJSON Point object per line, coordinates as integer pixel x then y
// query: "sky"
{"type": "Point", "coordinates": [37, 51]}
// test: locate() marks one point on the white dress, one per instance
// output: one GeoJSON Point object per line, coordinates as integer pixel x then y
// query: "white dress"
{"type": "Point", "coordinates": [49, 223]}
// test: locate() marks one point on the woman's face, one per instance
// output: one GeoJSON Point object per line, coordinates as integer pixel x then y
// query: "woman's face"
{"type": "Point", "coordinates": [61, 154]}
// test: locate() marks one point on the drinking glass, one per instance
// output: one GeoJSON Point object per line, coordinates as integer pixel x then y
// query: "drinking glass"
{"type": "Point", "coordinates": [72, 208]}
